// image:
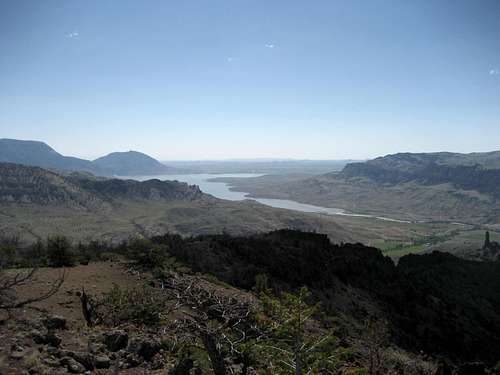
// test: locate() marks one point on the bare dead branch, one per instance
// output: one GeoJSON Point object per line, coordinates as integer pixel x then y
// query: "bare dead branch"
{"type": "Point", "coordinates": [8, 285]}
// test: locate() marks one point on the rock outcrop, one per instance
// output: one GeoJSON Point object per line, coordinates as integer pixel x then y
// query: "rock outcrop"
{"type": "Point", "coordinates": [20, 184]}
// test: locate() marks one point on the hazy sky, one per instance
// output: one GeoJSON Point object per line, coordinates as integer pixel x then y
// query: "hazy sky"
{"type": "Point", "coordinates": [211, 79]}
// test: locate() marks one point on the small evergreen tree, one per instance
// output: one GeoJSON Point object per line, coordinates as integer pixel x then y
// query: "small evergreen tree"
{"type": "Point", "coordinates": [8, 250]}
{"type": "Point", "coordinates": [59, 253]}
{"type": "Point", "coordinates": [487, 240]}
{"type": "Point", "coordinates": [38, 253]}
{"type": "Point", "coordinates": [293, 344]}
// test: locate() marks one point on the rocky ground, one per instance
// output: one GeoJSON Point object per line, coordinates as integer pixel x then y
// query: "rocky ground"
{"type": "Point", "coordinates": [51, 337]}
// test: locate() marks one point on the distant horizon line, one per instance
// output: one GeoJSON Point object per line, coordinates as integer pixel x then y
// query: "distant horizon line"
{"type": "Point", "coordinates": [256, 159]}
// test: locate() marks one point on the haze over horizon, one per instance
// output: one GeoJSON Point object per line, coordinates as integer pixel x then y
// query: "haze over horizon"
{"type": "Point", "coordinates": [214, 80]}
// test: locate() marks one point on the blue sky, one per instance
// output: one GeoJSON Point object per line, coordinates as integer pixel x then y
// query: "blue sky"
{"type": "Point", "coordinates": [215, 79]}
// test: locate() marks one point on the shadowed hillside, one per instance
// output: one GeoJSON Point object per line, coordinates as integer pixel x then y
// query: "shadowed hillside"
{"type": "Point", "coordinates": [437, 302]}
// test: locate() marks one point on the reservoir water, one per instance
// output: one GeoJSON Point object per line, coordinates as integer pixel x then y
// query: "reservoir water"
{"type": "Point", "coordinates": [222, 190]}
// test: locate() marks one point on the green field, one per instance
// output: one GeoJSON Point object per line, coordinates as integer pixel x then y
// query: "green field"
{"type": "Point", "coordinates": [398, 249]}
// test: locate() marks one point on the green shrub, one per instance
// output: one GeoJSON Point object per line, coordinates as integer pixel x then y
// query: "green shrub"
{"type": "Point", "coordinates": [138, 306]}
{"type": "Point", "coordinates": [146, 254]}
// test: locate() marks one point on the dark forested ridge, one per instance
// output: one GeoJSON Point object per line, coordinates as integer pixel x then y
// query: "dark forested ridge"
{"type": "Point", "coordinates": [437, 302]}
{"type": "Point", "coordinates": [429, 313]}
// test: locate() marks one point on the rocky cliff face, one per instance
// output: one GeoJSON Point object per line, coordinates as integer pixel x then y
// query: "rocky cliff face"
{"type": "Point", "coordinates": [427, 170]}
{"type": "Point", "coordinates": [33, 185]}
{"type": "Point", "coordinates": [150, 189]}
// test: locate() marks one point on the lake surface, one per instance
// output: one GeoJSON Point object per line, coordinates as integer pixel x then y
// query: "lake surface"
{"type": "Point", "coordinates": [222, 190]}
{"type": "Point", "coordinates": [217, 189]}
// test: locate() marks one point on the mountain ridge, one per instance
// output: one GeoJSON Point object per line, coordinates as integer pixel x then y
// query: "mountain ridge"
{"type": "Point", "coordinates": [39, 154]}
{"type": "Point", "coordinates": [36, 203]}
{"type": "Point", "coordinates": [464, 171]}
{"type": "Point", "coordinates": [25, 184]}
{"type": "Point", "coordinates": [418, 187]}
{"type": "Point", "coordinates": [131, 163]}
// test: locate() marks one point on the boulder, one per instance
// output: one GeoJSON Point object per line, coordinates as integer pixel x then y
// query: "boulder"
{"type": "Point", "coordinates": [56, 352]}
{"type": "Point", "coordinates": [52, 339]}
{"type": "Point", "coordinates": [144, 347]}
{"type": "Point", "coordinates": [55, 322]}
{"type": "Point", "coordinates": [115, 340]}
{"type": "Point", "coordinates": [46, 338]}
{"type": "Point", "coordinates": [84, 358]}
{"type": "Point", "coordinates": [102, 361]}
{"type": "Point", "coordinates": [72, 365]}
{"type": "Point", "coordinates": [37, 336]}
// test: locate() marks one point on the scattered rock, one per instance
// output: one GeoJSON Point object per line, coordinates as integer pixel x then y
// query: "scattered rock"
{"type": "Point", "coordinates": [158, 361]}
{"type": "Point", "coordinates": [72, 365]}
{"type": "Point", "coordinates": [17, 354]}
{"type": "Point", "coordinates": [37, 337]}
{"type": "Point", "coordinates": [116, 340]}
{"type": "Point", "coordinates": [51, 362]}
{"type": "Point", "coordinates": [16, 348]}
{"type": "Point", "coordinates": [49, 338]}
{"type": "Point", "coordinates": [84, 358]}
{"type": "Point", "coordinates": [132, 360]}
{"type": "Point", "coordinates": [95, 347]}
{"type": "Point", "coordinates": [54, 351]}
{"type": "Point", "coordinates": [55, 322]}
{"type": "Point", "coordinates": [52, 339]}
